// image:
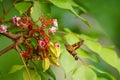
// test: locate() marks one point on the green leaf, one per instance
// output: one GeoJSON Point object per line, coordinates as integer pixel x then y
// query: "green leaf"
{"type": "Point", "coordinates": [45, 8]}
{"type": "Point", "coordinates": [16, 68]}
{"type": "Point", "coordinates": [14, 76]}
{"type": "Point", "coordinates": [1, 0]}
{"type": "Point", "coordinates": [22, 7]}
{"type": "Point", "coordinates": [36, 11]}
{"type": "Point", "coordinates": [93, 45]}
{"type": "Point", "coordinates": [84, 73]}
{"type": "Point", "coordinates": [102, 74]}
{"type": "Point", "coordinates": [0, 74]}
{"type": "Point", "coordinates": [67, 4]}
{"type": "Point", "coordinates": [98, 55]}
{"type": "Point", "coordinates": [11, 14]}
{"type": "Point", "coordinates": [38, 68]}
{"type": "Point", "coordinates": [51, 73]}
{"type": "Point", "coordinates": [33, 73]}
{"type": "Point", "coordinates": [66, 61]}
{"type": "Point", "coordinates": [1, 10]}
{"type": "Point", "coordinates": [87, 55]}
{"type": "Point", "coordinates": [110, 56]}
{"type": "Point", "coordinates": [102, 79]}
{"type": "Point", "coordinates": [71, 38]}
{"type": "Point", "coordinates": [107, 54]}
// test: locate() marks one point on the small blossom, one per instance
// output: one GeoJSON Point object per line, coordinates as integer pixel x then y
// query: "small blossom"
{"type": "Point", "coordinates": [52, 30]}
{"type": "Point", "coordinates": [55, 23]}
{"type": "Point", "coordinates": [57, 45]}
{"type": "Point", "coordinates": [41, 43]}
{"type": "Point", "coordinates": [16, 19]}
{"type": "Point", "coordinates": [3, 29]}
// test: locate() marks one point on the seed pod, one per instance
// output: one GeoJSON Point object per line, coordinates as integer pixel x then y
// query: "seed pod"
{"type": "Point", "coordinates": [45, 64]}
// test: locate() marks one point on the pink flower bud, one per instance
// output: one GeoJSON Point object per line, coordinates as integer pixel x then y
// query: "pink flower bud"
{"type": "Point", "coordinates": [16, 19]}
{"type": "Point", "coordinates": [3, 29]}
{"type": "Point", "coordinates": [41, 43]}
{"type": "Point", "coordinates": [52, 30]}
{"type": "Point", "coordinates": [55, 23]}
{"type": "Point", "coordinates": [57, 45]}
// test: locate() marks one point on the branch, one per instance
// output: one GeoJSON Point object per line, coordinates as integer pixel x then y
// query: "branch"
{"type": "Point", "coordinates": [18, 39]}
{"type": "Point", "coordinates": [11, 35]}
{"type": "Point", "coordinates": [7, 49]}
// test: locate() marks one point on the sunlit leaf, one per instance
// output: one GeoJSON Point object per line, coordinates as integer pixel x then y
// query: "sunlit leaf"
{"type": "Point", "coordinates": [71, 38]}
{"type": "Point", "coordinates": [67, 61]}
{"type": "Point", "coordinates": [33, 73]}
{"type": "Point", "coordinates": [102, 79]}
{"type": "Point", "coordinates": [87, 55]}
{"type": "Point", "coordinates": [93, 45]}
{"type": "Point", "coordinates": [107, 54]}
{"type": "Point", "coordinates": [67, 4]}
{"type": "Point", "coordinates": [110, 56]}
{"type": "Point", "coordinates": [16, 68]}
{"type": "Point", "coordinates": [102, 74]}
{"type": "Point", "coordinates": [84, 73]}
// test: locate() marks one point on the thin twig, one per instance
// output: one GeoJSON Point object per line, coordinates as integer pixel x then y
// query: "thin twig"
{"type": "Point", "coordinates": [29, 76]}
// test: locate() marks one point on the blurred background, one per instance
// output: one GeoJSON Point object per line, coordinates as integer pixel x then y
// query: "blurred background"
{"type": "Point", "coordinates": [103, 15]}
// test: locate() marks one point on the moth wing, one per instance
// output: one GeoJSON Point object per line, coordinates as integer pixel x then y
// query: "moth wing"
{"type": "Point", "coordinates": [78, 44]}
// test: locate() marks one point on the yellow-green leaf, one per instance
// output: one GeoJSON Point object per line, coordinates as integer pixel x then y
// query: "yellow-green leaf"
{"type": "Point", "coordinates": [33, 74]}
{"type": "Point", "coordinates": [84, 73]}
{"type": "Point", "coordinates": [16, 68]}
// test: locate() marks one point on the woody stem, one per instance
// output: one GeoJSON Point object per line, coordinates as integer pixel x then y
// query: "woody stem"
{"type": "Point", "coordinates": [15, 37]}
{"type": "Point", "coordinates": [7, 49]}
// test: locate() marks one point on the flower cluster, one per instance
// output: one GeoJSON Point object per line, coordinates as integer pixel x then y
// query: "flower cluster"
{"type": "Point", "coordinates": [37, 41]}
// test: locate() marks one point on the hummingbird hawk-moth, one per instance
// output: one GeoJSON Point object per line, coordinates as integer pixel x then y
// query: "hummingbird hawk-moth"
{"type": "Point", "coordinates": [71, 48]}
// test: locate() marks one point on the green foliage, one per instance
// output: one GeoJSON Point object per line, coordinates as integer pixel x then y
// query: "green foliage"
{"type": "Point", "coordinates": [68, 4]}
{"type": "Point", "coordinates": [22, 7]}
{"type": "Point", "coordinates": [34, 75]}
{"type": "Point", "coordinates": [35, 11]}
{"type": "Point", "coordinates": [84, 73]}
{"type": "Point", "coordinates": [97, 62]}
{"type": "Point", "coordinates": [16, 68]}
